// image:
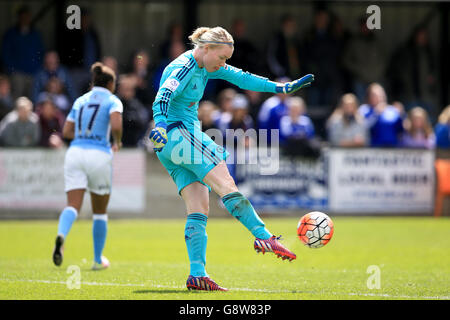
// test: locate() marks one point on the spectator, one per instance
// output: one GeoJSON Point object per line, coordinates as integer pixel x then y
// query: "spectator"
{"type": "Point", "coordinates": [400, 108]}
{"type": "Point", "coordinates": [176, 48]}
{"type": "Point", "coordinates": [346, 126]}
{"type": "Point", "coordinates": [20, 127]}
{"type": "Point", "coordinates": [206, 111]}
{"type": "Point", "coordinates": [175, 34]}
{"type": "Point", "coordinates": [21, 53]}
{"type": "Point", "coordinates": [296, 125]}
{"type": "Point", "coordinates": [364, 59]}
{"type": "Point", "coordinates": [239, 115]}
{"type": "Point", "coordinates": [111, 62]}
{"type": "Point", "coordinates": [50, 69]}
{"type": "Point", "coordinates": [80, 49]}
{"type": "Point", "coordinates": [6, 100]}
{"type": "Point", "coordinates": [284, 49]}
{"type": "Point", "coordinates": [255, 100]}
{"type": "Point", "coordinates": [54, 91]}
{"type": "Point", "coordinates": [297, 131]}
{"type": "Point", "coordinates": [135, 115]}
{"type": "Point", "coordinates": [341, 37]}
{"type": "Point", "coordinates": [225, 103]}
{"type": "Point", "coordinates": [51, 121]}
{"type": "Point", "coordinates": [272, 110]}
{"type": "Point", "coordinates": [383, 120]}
{"type": "Point", "coordinates": [442, 129]}
{"type": "Point", "coordinates": [244, 51]}
{"type": "Point", "coordinates": [141, 75]}
{"type": "Point", "coordinates": [418, 130]}
{"type": "Point", "coordinates": [413, 72]}
{"type": "Point", "coordinates": [321, 57]}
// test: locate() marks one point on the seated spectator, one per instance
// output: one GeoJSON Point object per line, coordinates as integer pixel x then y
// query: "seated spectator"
{"type": "Point", "coordinates": [175, 48]}
{"type": "Point", "coordinates": [141, 75]}
{"type": "Point", "coordinates": [54, 91]}
{"type": "Point", "coordinates": [51, 121]}
{"type": "Point", "coordinates": [442, 129]}
{"type": "Point", "coordinates": [255, 100]}
{"type": "Point", "coordinates": [135, 115]}
{"type": "Point", "coordinates": [224, 102]}
{"type": "Point", "coordinates": [383, 120]}
{"type": "Point", "coordinates": [52, 69]}
{"type": "Point", "coordinates": [346, 126]}
{"type": "Point", "coordinates": [20, 127]}
{"type": "Point", "coordinates": [111, 62]}
{"type": "Point", "coordinates": [418, 130]}
{"type": "Point", "coordinates": [297, 131]}
{"type": "Point", "coordinates": [206, 111]}
{"type": "Point", "coordinates": [6, 100]}
{"type": "Point", "coordinates": [272, 110]}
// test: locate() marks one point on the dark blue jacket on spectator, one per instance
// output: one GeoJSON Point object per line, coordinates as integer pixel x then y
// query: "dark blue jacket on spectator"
{"type": "Point", "coordinates": [442, 132]}
{"type": "Point", "coordinates": [385, 128]}
{"type": "Point", "coordinates": [22, 52]}
{"type": "Point", "coordinates": [270, 114]}
{"type": "Point", "coordinates": [42, 76]}
{"type": "Point", "coordinates": [302, 128]}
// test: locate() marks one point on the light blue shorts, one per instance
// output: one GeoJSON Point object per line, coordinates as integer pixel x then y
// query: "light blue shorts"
{"type": "Point", "coordinates": [189, 154]}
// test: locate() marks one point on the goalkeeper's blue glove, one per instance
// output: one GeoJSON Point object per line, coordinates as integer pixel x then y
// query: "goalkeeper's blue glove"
{"type": "Point", "coordinates": [159, 136]}
{"type": "Point", "coordinates": [295, 85]}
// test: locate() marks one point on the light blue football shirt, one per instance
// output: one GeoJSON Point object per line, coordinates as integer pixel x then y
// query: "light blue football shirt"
{"type": "Point", "coordinates": [90, 113]}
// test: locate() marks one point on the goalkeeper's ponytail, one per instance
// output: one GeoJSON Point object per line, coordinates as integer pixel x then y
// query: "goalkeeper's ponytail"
{"type": "Point", "coordinates": [211, 36]}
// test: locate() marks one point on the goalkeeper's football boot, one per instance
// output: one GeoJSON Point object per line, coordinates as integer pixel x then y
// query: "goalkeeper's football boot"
{"type": "Point", "coordinates": [58, 250]}
{"type": "Point", "coordinates": [101, 266]}
{"type": "Point", "coordinates": [273, 245]}
{"type": "Point", "coordinates": [203, 283]}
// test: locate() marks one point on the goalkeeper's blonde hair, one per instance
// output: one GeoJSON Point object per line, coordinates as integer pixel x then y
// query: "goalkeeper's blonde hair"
{"type": "Point", "coordinates": [211, 36]}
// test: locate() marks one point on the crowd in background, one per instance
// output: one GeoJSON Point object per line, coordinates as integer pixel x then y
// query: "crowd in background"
{"type": "Point", "coordinates": [348, 98]}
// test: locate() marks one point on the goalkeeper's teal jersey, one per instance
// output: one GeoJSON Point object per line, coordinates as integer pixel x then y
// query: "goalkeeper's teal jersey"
{"type": "Point", "coordinates": [183, 83]}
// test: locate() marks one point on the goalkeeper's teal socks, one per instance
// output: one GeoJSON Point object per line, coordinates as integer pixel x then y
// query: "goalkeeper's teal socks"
{"type": "Point", "coordinates": [66, 219]}
{"type": "Point", "coordinates": [196, 239]}
{"type": "Point", "coordinates": [99, 231]}
{"type": "Point", "coordinates": [240, 208]}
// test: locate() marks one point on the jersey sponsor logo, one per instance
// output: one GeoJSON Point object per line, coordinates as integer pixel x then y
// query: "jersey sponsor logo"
{"type": "Point", "coordinates": [171, 84]}
{"type": "Point", "coordinates": [192, 103]}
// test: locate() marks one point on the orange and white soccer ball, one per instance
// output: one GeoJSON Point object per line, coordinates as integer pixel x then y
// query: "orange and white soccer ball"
{"type": "Point", "coordinates": [315, 229]}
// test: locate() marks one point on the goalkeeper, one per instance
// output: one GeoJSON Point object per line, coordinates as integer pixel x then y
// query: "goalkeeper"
{"type": "Point", "coordinates": [201, 165]}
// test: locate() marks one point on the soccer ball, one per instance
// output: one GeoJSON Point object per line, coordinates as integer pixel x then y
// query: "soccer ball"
{"type": "Point", "coordinates": [315, 229]}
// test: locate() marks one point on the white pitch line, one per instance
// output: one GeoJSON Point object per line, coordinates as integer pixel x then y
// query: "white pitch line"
{"type": "Point", "coordinates": [381, 295]}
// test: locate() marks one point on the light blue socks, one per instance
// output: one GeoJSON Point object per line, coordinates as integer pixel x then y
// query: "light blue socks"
{"type": "Point", "coordinates": [99, 231]}
{"type": "Point", "coordinates": [66, 219]}
{"type": "Point", "coordinates": [240, 208]}
{"type": "Point", "coordinates": [196, 240]}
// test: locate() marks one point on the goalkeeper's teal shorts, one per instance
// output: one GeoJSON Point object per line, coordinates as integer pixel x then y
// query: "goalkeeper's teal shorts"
{"type": "Point", "coordinates": [189, 154]}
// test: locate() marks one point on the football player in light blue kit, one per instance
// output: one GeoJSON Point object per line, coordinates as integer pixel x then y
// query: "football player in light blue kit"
{"type": "Point", "coordinates": [88, 161]}
{"type": "Point", "coordinates": [194, 161]}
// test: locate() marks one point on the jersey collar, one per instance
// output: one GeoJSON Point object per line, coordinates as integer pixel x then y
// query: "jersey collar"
{"type": "Point", "coordinates": [100, 89]}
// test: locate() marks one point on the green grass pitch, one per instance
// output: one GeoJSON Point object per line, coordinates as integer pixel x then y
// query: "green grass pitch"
{"type": "Point", "coordinates": [149, 261]}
